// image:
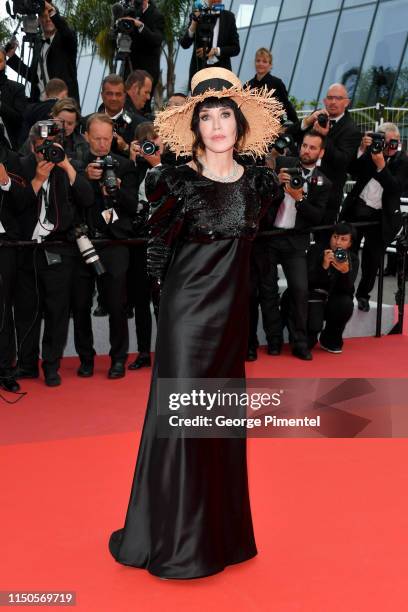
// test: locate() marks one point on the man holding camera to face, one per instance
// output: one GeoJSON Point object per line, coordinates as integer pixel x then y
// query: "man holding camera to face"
{"type": "Point", "coordinates": [342, 139]}
{"type": "Point", "coordinates": [332, 271]}
{"type": "Point", "coordinates": [114, 185]}
{"type": "Point", "coordinates": [53, 197]}
{"type": "Point", "coordinates": [214, 34]}
{"type": "Point", "coordinates": [381, 174]}
{"type": "Point", "coordinates": [304, 195]}
{"type": "Point", "coordinates": [54, 55]}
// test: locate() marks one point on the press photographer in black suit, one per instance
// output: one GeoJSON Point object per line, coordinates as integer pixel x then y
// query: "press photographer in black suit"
{"type": "Point", "coordinates": [214, 37]}
{"type": "Point", "coordinates": [53, 198]}
{"type": "Point", "coordinates": [147, 37]}
{"type": "Point", "coordinates": [332, 271]}
{"type": "Point", "coordinates": [12, 103]}
{"type": "Point", "coordinates": [139, 282]}
{"type": "Point", "coordinates": [342, 140]}
{"type": "Point", "coordinates": [110, 217]}
{"type": "Point", "coordinates": [54, 55]}
{"type": "Point", "coordinates": [300, 207]}
{"type": "Point", "coordinates": [11, 190]}
{"type": "Point", "coordinates": [381, 177]}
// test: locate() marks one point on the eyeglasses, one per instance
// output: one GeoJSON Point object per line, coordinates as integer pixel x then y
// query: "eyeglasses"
{"type": "Point", "coordinates": [336, 98]}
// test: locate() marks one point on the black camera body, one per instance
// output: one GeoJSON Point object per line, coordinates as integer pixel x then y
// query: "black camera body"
{"type": "Point", "coordinates": [282, 142]}
{"type": "Point", "coordinates": [322, 120]}
{"type": "Point", "coordinates": [296, 178]}
{"type": "Point", "coordinates": [51, 151]}
{"type": "Point", "coordinates": [340, 255]}
{"type": "Point", "coordinates": [378, 144]}
{"type": "Point", "coordinates": [121, 124]}
{"type": "Point", "coordinates": [206, 19]}
{"type": "Point", "coordinates": [109, 166]}
{"type": "Point", "coordinates": [126, 8]}
{"type": "Point", "coordinates": [28, 7]}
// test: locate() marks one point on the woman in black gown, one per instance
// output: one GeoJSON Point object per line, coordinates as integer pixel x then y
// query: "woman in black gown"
{"type": "Point", "coordinates": [189, 514]}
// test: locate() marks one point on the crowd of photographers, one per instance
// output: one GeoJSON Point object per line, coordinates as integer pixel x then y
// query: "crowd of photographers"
{"type": "Point", "coordinates": [72, 188]}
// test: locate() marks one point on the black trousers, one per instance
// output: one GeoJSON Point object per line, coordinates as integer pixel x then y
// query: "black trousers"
{"type": "Point", "coordinates": [42, 289]}
{"type": "Point", "coordinates": [373, 251]}
{"type": "Point", "coordinates": [8, 275]}
{"type": "Point", "coordinates": [266, 255]}
{"type": "Point", "coordinates": [112, 287]}
{"type": "Point", "coordinates": [336, 312]}
{"type": "Point", "coordinates": [139, 296]}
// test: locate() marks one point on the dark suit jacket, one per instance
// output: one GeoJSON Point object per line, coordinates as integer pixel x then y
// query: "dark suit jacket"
{"type": "Point", "coordinates": [342, 143]}
{"type": "Point", "coordinates": [393, 179]}
{"type": "Point", "coordinates": [311, 211]}
{"type": "Point", "coordinates": [66, 201]}
{"type": "Point", "coordinates": [280, 92]}
{"type": "Point", "coordinates": [146, 46]}
{"type": "Point", "coordinates": [61, 60]}
{"type": "Point", "coordinates": [13, 103]}
{"type": "Point", "coordinates": [125, 204]}
{"type": "Point", "coordinates": [228, 42]}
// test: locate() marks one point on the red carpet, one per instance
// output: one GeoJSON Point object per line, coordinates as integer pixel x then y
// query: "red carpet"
{"type": "Point", "coordinates": [331, 516]}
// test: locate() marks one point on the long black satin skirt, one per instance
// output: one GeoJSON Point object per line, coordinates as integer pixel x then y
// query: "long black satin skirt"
{"type": "Point", "coordinates": [189, 514]}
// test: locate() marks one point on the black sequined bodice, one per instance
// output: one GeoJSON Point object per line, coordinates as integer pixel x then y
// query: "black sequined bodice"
{"type": "Point", "coordinates": [216, 210]}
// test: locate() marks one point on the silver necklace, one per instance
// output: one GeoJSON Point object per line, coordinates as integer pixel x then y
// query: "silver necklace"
{"type": "Point", "coordinates": [229, 178]}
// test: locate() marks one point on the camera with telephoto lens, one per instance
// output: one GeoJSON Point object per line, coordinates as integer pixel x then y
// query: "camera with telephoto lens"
{"type": "Point", "coordinates": [87, 250]}
{"type": "Point", "coordinates": [52, 152]}
{"type": "Point", "coordinates": [378, 144]}
{"type": "Point", "coordinates": [28, 7]}
{"type": "Point", "coordinates": [296, 178]}
{"type": "Point", "coordinates": [109, 165]}
{"type": "Point", "coordinates": [322, 120]}
{"type": "Point", "coordinates": [340, 255]}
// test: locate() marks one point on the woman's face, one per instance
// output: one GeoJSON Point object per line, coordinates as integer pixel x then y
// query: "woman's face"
{"type": "Point", "coordinates": [2, 61]}
{"type": "Point", "coordinates": [262, 65]}
{"type": "Point", "coordinates": [218, 128]}
{"type": "Point", "coordinates": [69, 121]}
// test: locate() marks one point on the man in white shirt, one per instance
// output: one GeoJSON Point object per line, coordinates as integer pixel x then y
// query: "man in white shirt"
{"type": "Point", "coordinates": [381, 176]}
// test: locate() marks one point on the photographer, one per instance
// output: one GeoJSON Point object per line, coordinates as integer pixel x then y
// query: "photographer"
{"type": "Point", "coordinates": [11, 188]}
{"type": "Point", "coordinates": [304, 195]}
{"type": "Point", "coordinates": [145, 151]}
{"type": "Point", "coordinates": [113, 104]}
{"type": "Point", "coordinates": [332, 271]}
{"type": "Point", "coordinates": [12, 103]}
{"type": "Point", "coordinates": [381, 174]}
{"type": "Point", "coordinates": [54, 55]}
{"type": "Point", "coordinates": [114, 184]}
{"type": "Point", "coordinates": [215, 38]}
{"type": "Point", "coordinates": [342, 140]}
{"type": "Point", "coordinates": [55, 90]}
{"type": "Point", "coordinates": [138, 91]}
{"type": "Point", "coordinates": [147, 35]}
{"type": "Point", "coordinates": [53, 198]}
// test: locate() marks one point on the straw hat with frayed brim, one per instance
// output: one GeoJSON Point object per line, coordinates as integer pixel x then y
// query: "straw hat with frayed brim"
{"type": "Point", "coordinates": [260, 108]}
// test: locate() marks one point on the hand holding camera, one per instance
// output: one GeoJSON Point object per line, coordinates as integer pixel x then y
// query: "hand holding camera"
{"type": "Point", "coordinates": [319, 121]}
{"type": "Point", "coordinates": [338, 259]}
{"type": "Point", "coordinates": [292, 180]}
{"type": "Point", "coordinates": [4, 177]}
